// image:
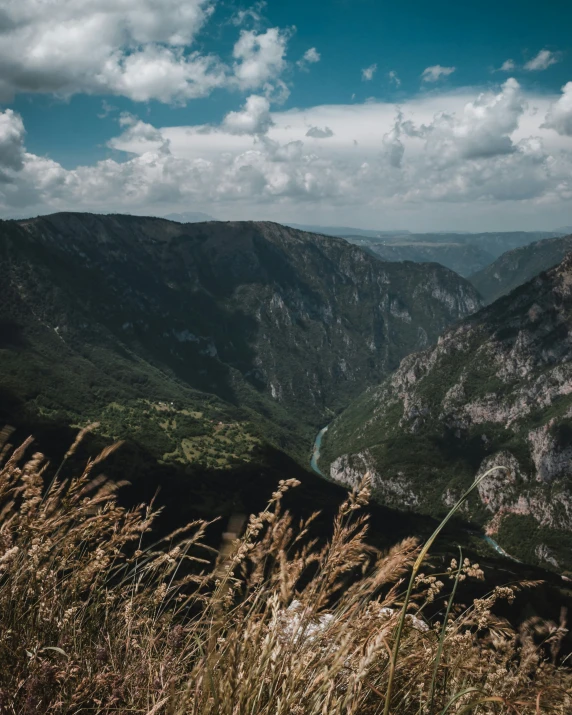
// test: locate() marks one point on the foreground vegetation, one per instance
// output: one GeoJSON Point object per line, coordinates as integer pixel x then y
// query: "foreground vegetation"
{"type": "Point", "coordinates": [94, 617]}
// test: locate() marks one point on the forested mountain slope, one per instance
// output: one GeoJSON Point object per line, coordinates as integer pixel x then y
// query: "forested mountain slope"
{"type": "Point", "coordinates": [139, 322]}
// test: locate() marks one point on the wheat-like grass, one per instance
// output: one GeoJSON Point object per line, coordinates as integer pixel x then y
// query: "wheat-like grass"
{"type": "Point", "coordinates": [93, 620]}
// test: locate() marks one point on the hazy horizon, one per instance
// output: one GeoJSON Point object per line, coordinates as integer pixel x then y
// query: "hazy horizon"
{"type": "Point", "coordinates": [381, 229]}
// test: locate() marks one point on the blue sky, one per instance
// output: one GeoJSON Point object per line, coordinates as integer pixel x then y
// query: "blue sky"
{"type": "Point", "coordinates": [440, 115]}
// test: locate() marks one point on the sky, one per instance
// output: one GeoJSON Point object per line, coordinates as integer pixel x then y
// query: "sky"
{"type": "Point", "coordinates": [420, 116]}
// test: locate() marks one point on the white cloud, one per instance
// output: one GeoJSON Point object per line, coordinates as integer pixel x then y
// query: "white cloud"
{"type": "Point", "coordinates": [253, 119]}
{"type": "Point", "coordinates": [317, 133]}
{"type": "Point", "coordinates": [483, 130]}
{"type": "Point", "coordinates": [543, 60]}
{"type": "Point", "coordinates": [393, 77]}
{"type": "Point", "coordinates": [432, 161]}
{"type": "Point", "coordinates": [141, 49]}
{"type": "Point", "coordinates": [507, 66]}
{"type": "Point", "coordinates": [368, 72]}
{"type": "Point", "coordinates": [259, 57]}
{"type": "Point", "coordinates": [559, 115]}
{"type": "Point", "coordinates": [434, 73]}
{"type": "Point", "coordinates": [140, 135]}
{"type": "Point", "coordinates": [106, 109]}
{"type": "Point", "coordinates": [11, 141]}
{"type": "Point", "coordinates": [253, 13]}
{"type": "Point", "coordinates": [309, 57]}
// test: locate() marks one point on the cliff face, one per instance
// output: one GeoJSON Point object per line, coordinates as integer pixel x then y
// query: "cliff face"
{"type": "Point", "coordinates": [496, 389]}
{"type": "Point", "coordinates": [286, 324]}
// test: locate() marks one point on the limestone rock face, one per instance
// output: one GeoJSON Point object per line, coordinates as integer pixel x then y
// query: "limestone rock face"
{"type": "Point", "coordinates": [495, 390]}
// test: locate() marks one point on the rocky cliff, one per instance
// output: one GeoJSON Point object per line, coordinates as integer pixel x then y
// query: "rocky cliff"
{"type": "Point", "coordinates": [496, 389]}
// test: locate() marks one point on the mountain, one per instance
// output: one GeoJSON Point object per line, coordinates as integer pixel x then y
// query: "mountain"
{"type": "Point", "coordinates": [345, 231]}
{"type": "Point", "coordinates": [496, 389]}
{"type": "Point", "coordinates": [205, 341]}
{"type": "Point", "coordinates": [189, 217]}
{"type": "Point", "coordinates": [463, 258]}
{"type": "Point", "coordinates": [518, 266]}
{"type": "Point", "coordinates": [464, 253]}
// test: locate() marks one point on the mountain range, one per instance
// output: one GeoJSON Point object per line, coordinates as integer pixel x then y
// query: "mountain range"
{"type": "Point", "coordinates": [518, 266]}
{"type": "Point", "coordinates": [205, 340]}
{"type": "Point", "coordinates": [464, 253]}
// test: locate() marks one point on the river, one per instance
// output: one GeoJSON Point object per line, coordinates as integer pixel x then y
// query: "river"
{"type": "Point", "coordinates": [315, 467]}
{"type": "Point", "coordinates": [316, 451]}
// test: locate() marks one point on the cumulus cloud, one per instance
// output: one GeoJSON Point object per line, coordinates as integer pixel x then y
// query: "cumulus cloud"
{"type": "Point", "coordinates": [368, 72]}
{"type": "Point", "coordinates": [254, 118]}
{"type": "Point", "coordinates": [559, 115]}
{"type": "Point", "coordinates": [259, 57]}
{"type": "Point", "coordinates": [140, 49]}
{"type": "Point", "coordinates": [393, 77]}
{"type": "Point", "coordinates": [317, 133]}
{"type": "Point", "coordinates": [483, 130]}
{"type": "Point", "coordinates": [543, 60]}
{"type": "Point", "coordinates": [476, 150]}
{"type": "Point", "coordinates": [434, 73]}
{"type": "Point", "coordinates": [309, 57]}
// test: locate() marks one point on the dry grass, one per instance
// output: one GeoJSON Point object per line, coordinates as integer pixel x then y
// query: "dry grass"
{"type": "Point", "coordinates": [92, 622]}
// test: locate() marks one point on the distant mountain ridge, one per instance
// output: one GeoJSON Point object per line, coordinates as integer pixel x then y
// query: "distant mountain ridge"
{"type": "Point", "coordinates": [519, 266]}
{"type": "Point", "coordinates": [464, 253]}
{"type": "Point", "coordinates": [496, 389]}
{"type": "Point", "coordinates": [344, 231]}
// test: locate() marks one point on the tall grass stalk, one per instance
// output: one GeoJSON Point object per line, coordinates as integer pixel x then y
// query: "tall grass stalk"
{"type": "Point", "coordinates": [444, 633]}
{"type": "Point", "coordinates": [416, 566]}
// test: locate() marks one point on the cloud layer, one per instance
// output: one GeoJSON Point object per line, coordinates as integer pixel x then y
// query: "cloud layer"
{"type": "Point", "coordinates": [441, 150]}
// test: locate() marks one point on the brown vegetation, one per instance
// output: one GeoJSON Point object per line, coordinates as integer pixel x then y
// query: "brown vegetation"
{"type": "Point", "coordinates": [94, 620]}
